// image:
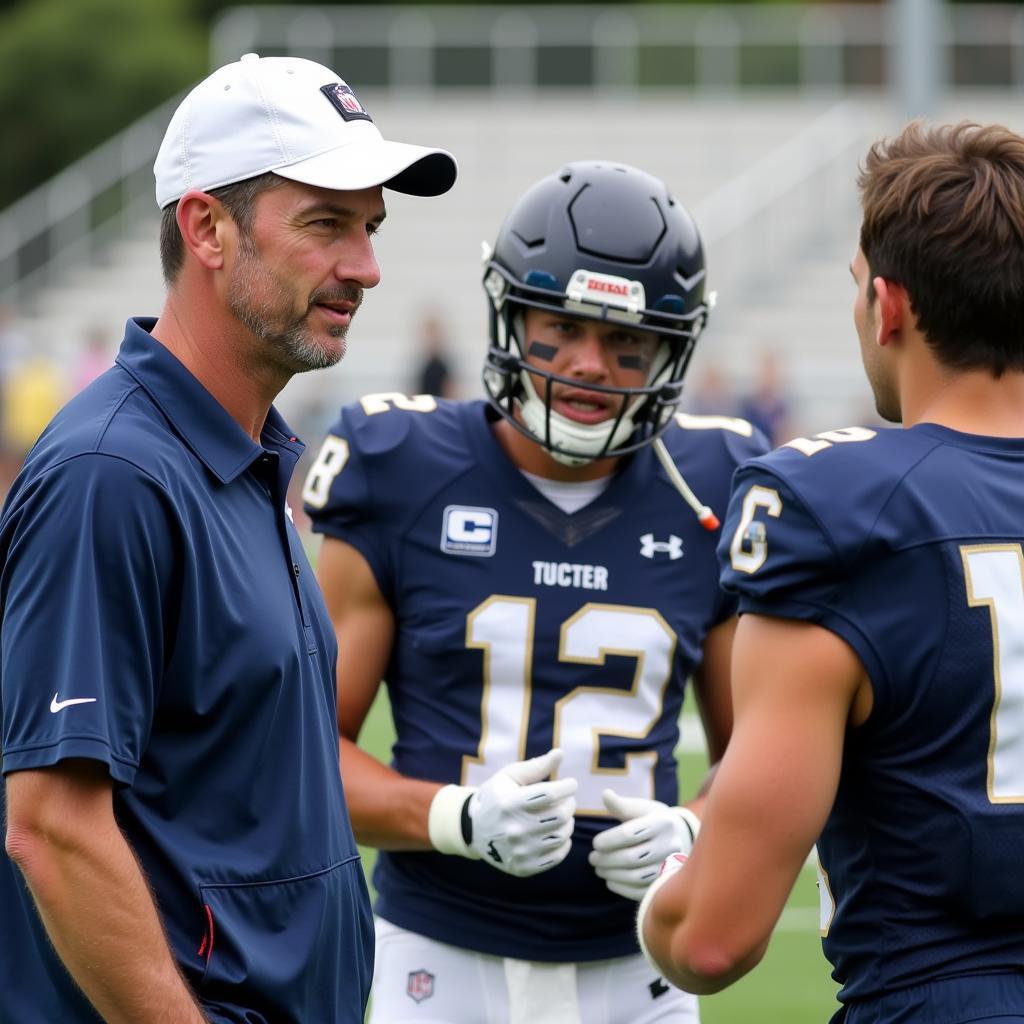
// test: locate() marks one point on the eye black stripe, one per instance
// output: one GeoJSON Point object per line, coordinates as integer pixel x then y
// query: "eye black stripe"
{"type": "Point", "coordinates": [541, 351]}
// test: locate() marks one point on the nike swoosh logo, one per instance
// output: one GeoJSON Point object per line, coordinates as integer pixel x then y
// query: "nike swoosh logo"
{"type": "Point", "coordinates": [60, 705]}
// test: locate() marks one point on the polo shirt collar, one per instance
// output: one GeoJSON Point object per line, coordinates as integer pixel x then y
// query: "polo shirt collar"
{"type": "Point", "coordinates": [203, 423]}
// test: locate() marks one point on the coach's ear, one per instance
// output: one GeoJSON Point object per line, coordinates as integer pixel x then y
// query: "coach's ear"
{"type": "Point", "coordinates": [205, 226]}
{"type": "Point", "coordinates": [893, 314]}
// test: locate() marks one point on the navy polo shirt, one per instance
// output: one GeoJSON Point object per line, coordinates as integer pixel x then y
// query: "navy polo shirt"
{"type": "Point", "coordinates": [159, 616]}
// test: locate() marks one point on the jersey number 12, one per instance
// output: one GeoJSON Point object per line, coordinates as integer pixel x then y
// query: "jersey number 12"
{"type": "Point", "coordinates": [503, 628]}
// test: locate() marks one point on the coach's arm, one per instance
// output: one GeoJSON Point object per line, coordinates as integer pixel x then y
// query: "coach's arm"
{"type": "Point", "coordinates": [92, 896]}
{"type": "Point", "coordinates": [796, 687]}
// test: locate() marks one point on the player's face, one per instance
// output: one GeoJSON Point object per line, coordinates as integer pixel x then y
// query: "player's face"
{"type": "Point", "coordinates": [876, 364]}
{"type": "Point", "coordinates": [588, 352]}
{"type": "Point", "coordinates": [299, 274]}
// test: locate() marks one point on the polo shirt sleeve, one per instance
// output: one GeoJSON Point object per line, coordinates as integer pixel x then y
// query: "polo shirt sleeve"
{"type": "Point", "coordinates": [89, 574]}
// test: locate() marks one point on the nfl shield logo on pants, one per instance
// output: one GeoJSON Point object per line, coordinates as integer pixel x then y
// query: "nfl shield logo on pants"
{"type": "Point", "coordinates": [420, 985]}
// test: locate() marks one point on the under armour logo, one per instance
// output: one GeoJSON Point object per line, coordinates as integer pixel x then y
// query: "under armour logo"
{"type": "Point", "coordinates": [658, 988]}
{"type": "Point", "coordinates": [492, 852]}
{"type": "Point", "coordinates": [673, 547]}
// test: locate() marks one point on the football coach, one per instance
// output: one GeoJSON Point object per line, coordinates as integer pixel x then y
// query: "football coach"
{"type": "Point", "coordinates": [177, 840]}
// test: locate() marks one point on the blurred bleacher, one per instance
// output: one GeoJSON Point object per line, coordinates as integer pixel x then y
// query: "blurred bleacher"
{"type": "Point", "coordinates": [768, 172]}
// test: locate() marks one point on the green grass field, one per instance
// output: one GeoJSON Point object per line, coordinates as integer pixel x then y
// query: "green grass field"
{"type": "Point", "coordinates": [792, 983]}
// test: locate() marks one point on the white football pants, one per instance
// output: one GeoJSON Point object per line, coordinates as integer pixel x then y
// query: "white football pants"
{"type": "Point", "coordinates": [417, 980]}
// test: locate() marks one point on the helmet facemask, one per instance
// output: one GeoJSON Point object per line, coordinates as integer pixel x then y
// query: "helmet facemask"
{"type": "Point", "coordinates": [604, 242]}
{"type": "Point", "coordinates": [522, 391]}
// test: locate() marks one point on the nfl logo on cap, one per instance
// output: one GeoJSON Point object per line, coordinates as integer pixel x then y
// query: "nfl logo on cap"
{"type": "Point", "coordinates": [344, 100]}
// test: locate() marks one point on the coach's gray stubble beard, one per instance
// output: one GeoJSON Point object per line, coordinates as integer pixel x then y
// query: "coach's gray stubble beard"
{"type": "Point", "coordinates": [249, 297]}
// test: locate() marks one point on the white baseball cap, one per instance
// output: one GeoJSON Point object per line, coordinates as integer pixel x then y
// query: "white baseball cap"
{"type": "Point", "coordinates": [296, 118]}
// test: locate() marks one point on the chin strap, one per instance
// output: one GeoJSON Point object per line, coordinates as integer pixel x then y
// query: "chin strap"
{"type": "Point", "coordinates": [705, 516]}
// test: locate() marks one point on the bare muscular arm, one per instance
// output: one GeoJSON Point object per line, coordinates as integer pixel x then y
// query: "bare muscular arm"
{"type": "Point", "coordinates": [91, 894]}
{"type": "Point", "coordinates": [796, 687]}
{"type": "Point", "coordinates": [388, 810]}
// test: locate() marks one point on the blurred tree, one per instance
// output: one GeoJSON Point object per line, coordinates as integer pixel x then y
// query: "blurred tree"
{"type": "Point", "coordinates": [73, 74]}
{"type": "Point", "coordinates": [211, 7]}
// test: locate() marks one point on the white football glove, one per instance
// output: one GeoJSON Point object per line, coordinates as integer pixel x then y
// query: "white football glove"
{"type": "Point", "coordinates": [519, 821]}
{"type": "Point", "coordinates": [629, 856]}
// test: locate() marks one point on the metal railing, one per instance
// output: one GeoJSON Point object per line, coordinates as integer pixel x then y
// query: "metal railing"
{"type": "Point", "coordinates": [707, 46]}
{"type": "Point", "coordinates": [782, 175]}
{"type": "Point", "coordinates": [67, 220]}
{"type": "Point", "coordinates": [419, 50]}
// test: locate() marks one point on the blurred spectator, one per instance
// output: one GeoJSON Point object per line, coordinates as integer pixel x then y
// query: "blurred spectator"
{"type": "Point", "coordinates": [96, 357]}
{"type": "Point", "coordinates": [33, 391]}
{"type": "Point", "coordinates": [767, 406]}
{"type": "Point", "coordinates": [13, 349]}
{"type": "Point", "coordinates": [710, 396]}
{"type": "Point", "coordinates": [434, 376]}
{"type": "Point", "coordinates": [13, 342]}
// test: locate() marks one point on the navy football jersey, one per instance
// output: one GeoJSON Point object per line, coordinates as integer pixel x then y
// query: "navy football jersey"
{"type": "Point", "coordinates": [519, 628]}
{"type": "Point", "coordinates": [907, 544]}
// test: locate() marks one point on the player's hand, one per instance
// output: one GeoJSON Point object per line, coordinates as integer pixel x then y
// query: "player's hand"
{"type": "Point", "coordinates": [629, 856]}
{"type": "Point", "coordinates": [519, 821]}
{"type": "Point", "coordinates": [672, 865]}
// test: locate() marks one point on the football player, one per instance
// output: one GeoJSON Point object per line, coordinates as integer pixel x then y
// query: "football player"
{"type": "Point", "coordinates": [879, 663]}
{"type": "Point", "coordinates": [524, 574]}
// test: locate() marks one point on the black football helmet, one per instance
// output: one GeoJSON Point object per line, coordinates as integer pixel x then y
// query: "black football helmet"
{"type": "Point", "coordinates": [603, 241]}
